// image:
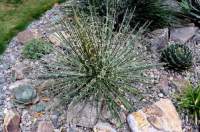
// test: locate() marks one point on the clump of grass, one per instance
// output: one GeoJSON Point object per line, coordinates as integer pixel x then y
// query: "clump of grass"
{"type": "Point", "coordinates": [191, 10]}
{"type": "Point", "coordinates": [35, 49]}
{"type": "Point", "coordinates": [98, 64]}
{"type": "Point", "coordinates": [190, 100]}
{"type": "Point", "coordinates": [155, 11]}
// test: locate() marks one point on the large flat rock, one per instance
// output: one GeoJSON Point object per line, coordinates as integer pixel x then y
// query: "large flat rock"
{"type": "Point", "coordinates": [182, 34]}
{"type": "Point", "coordinates": [159, 117]}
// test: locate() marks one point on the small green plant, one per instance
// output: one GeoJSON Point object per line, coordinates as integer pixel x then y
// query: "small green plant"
{"type": "Point", "coordinates": [35, 49]}
{"type": "Point", "coordinates": [190, 100]}
{"type": "Point", "coordinates": [177, 56]}
{"type": "Point", "coordinates": [191, 10]}
{"type": "Point", "coordinates": [99, 64]}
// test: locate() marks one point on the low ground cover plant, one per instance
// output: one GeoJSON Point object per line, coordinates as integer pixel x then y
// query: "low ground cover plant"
{"type": "Point", "coordinates": [35, 49]}
{"type": "Point", "coordinates": [98, 65]}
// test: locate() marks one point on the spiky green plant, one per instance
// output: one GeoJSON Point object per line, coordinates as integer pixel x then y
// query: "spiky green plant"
{"type": "Point", "coordinates": [35, 49]}
{"type": "Point", "coordinates": [177, 56]}
{"type": "Point", "coordinates": [97, 64]}
{"type": "Point", "coordinates": [191, 10]}
{"type": "Point", "coordinates": [190, 100]}
{"type": "Point", "coordinates": [155, 11]}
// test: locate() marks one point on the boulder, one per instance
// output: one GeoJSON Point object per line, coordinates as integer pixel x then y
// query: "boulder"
{"type": "Point", "coordinates": [182, 34]}
{"type": "Point", "coordinates": [44, 126]}
{"type": "Point", "coordinates": [11, 121]}
{"type": "Point", "coordinates": [161, 116]}
{"type": "Point", "coordinates": [159, 39]}
{"type": "Point", "coordinates": [27, 35]}
{"type": "Point", "coordinates": [103, 127]}
{"type": "Point", "coordinates": [25, 94]}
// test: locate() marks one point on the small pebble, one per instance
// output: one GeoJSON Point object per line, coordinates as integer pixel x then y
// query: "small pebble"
{"type": "Point", "coordinates": [160, 95]}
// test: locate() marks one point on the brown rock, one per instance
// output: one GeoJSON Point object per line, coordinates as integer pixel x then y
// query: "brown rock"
{"type": "Point", "coordinates": [27, 35]}
{"type": "Point", "coordinates": [182, 34]}
{"type": "Point", "coordinates": [45, 127]}
{"type": "Point", "coordinates": [56, 39]}
{"type": "Point", "coordinates": [161, 116]}
{"type": "Point", "coordinates": [82, 114]}
{"type": "Point", "coordinates": [180, 84]}
{"type": "Point", "coordinates": [21, 69]}
{"type": "Point", "coordinates": [159, 39]}
{"type": "Point", "coordinates": [163, 85]}
{"type": "Point", "coordinates": [103, 127]}
{"type": "Point", "coordinates": [44, 85]}
{"type": "Point", "coordinates": [11, 122]}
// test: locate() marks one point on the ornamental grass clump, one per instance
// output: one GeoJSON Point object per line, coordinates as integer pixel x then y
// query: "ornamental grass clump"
{"type": "Point", "coordinates": [191, 10]}
{"type": "Point", "coordinates": [190, 100]}
{"type": "Point", "coordinates": [177, 56]}
{"type": "Point", "coordinates": [155, 11]}
{"type": "Point", "coordinates": [97, 64]}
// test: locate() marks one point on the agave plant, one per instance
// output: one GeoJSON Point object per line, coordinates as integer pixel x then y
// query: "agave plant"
{"type": "Point", "coordinates": [191, 10]}
{"type": "Point", "coordinates": [97, 64]}
{"type": "Point", "coordinates": [177, 56]}
{"type": "Point", "coordinates": [190, 100]}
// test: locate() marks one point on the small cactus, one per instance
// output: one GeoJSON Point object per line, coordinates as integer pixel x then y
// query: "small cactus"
{"type": "Point", "coordinates": [177, 56]}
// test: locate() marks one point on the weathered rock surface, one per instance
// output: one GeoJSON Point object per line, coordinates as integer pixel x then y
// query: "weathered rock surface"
{"type": "Point", "coordinates": [20, 70]}
{"type": "Point", "coordinates": [180, 84]}
{"type": "Point", "coordinates": [159, 39]}
{"type": "Point", "coordinates": [45, 127]}
{"type": "Point", "coordinates": [25, 94]}
{"type": "Point", "coordinates": [19, 83]}
{"type": "Point", "coordinates": [161, 116]}
{"type": "Point", "coordinates": [82, 115]}
{"type": "Point", "coordinates": [56, 39]}
{"type": "Point", "coordinates": [11, 122]}
{"type": "Point", "coordinates": [40, 107]}
{"type": "Point", "coordinates": [182, 34]}
{"type": "Point", "coordinates": [44, 85]}
{"type": "Point", "coordinates": [103, 127]}
{"type": "Point", "coordinates": [27, 35]}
